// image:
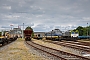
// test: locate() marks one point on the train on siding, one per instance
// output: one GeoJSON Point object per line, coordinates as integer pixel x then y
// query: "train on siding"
{"type": "Point", "coordinates": [73, 35]}
{"type": "Point", "coordinates": [56, 34]}
{"type": "Point", "coordinates": [28, 33]}
{"type": "Point", "coordinates": [7, 37]}
{"type": "Point", "coordinates": [70, 35]}
{"type": "Point", "coordinates": [53, 35]}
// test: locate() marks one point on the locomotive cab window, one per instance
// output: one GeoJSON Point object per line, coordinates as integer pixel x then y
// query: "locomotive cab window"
{"type": "Point", "coordinates": [72, 33]}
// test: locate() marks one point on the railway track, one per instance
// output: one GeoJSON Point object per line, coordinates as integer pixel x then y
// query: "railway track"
{"type": "Point", "coordinates": [81, 46]}
{"type": "Point", "coordinates": [55, 54]}
{"type": "Point", "coordinates": [83, 50]}
{"type": "Point", "coordinates": [74, 45]}
{"type": "Point", "coordinates": [82, 43]}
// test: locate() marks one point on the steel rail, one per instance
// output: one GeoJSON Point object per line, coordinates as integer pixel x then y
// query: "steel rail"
{"type": "Point", "coordinates": [59, 53]}
{"type": "Point", "coordinates": [46, 52]}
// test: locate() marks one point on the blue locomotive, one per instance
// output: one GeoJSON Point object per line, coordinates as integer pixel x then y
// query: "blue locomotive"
{"type": "Point", "coordinates": [54, 34]}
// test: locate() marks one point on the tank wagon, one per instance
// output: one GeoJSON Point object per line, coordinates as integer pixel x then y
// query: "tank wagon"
{"type": "Point", "coordinates": [2, 40]}
{"type": "Point", "coordinates": [7, 37]}
{"type": "Point", "coordinates": [10, 37]}
{"type": "Point", "coordinates": [28, 33]}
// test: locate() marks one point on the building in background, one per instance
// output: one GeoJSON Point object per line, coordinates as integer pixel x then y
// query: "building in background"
{"type": "Point", "coordinates": [42, 34]}
{"type": "Point", "coordinates": [16, 31]}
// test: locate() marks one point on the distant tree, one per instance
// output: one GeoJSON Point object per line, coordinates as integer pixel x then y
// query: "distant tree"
{"type": "Point", "coordinates": [84, 31]}
{"type": "Point", "coordinates": [80, 29]}
{"type": "Point", "coordinates": [0, 33]}
{"type": "Point", "coordinates": [89, 30]}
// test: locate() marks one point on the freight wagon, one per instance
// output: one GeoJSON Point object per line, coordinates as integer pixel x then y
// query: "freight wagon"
{"type": "Point", "coordinates": [28, 33]}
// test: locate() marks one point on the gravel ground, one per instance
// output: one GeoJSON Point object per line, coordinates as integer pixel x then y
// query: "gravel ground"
{"type": "Point", "coordinates": [18, 51]}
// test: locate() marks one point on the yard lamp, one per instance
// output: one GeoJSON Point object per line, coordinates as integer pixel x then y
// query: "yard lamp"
{"type": "Point", "coordinates": [22, 31]}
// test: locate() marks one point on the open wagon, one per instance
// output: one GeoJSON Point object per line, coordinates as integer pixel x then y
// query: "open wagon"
{"type": "Point", "coordinates": [28, 34]}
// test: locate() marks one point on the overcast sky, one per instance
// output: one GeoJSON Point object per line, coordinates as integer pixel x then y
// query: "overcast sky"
{"type": "Point", "coordinates": [44, 15]}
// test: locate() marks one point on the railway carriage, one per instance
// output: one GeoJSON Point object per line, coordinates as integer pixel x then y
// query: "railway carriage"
{"type": "Point", "coordinates": [84, 37]}
{"type": "Point", "coordinates": [37, 36]}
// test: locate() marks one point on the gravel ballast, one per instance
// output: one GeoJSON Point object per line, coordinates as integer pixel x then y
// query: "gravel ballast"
{"type": "Point", "coordinates": [17, 51]}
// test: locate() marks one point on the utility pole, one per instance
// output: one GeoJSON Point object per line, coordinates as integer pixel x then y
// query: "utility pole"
{"type": "Point", "coordinates": [22, 31]}
{"type": "Point", "coordinates": [87, 30]}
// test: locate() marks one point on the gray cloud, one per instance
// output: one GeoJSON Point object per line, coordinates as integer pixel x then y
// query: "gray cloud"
{"type": "Point", "coordinates": [45, 15]}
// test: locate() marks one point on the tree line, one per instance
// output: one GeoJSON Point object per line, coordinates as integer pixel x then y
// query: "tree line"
{"type": "Point", "coordinates": [83, 31]}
